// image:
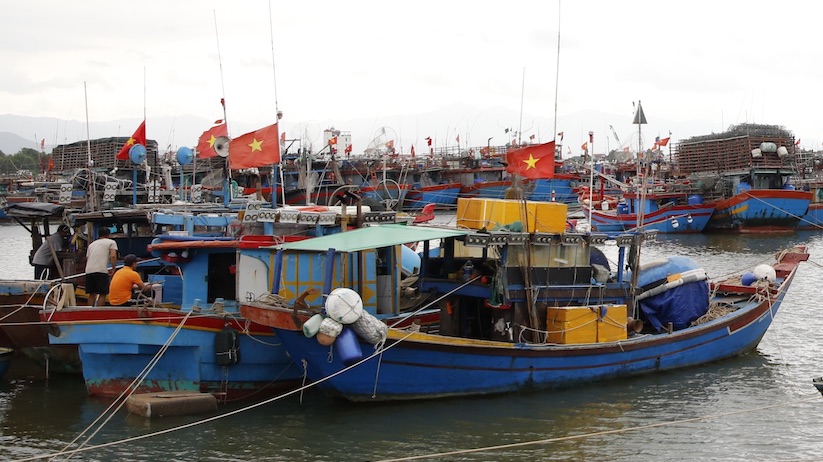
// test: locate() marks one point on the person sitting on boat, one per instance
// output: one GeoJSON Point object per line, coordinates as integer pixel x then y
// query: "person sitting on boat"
{"type": "Point", "coordinates": [98, 255]}
{"type": "Point", "coordinates": [45, 257]}
{"type": "Point", "coordinates": [124, 280]}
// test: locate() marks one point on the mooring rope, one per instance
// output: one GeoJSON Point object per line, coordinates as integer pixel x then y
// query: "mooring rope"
{"type": "Point", "coordinates": [213, 418]}
{"type": "Point", "coordinates": [121, 400]}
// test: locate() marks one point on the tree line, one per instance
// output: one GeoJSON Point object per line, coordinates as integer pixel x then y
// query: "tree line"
{"type": "Point", "coordinates": [30, 160]}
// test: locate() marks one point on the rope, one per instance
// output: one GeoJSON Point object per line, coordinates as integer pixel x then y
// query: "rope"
{"type": "Point", "coordinates": [214, 418]}
{"type": "Point", "coordinates": [600, 433]}
{"type": "Point", "coordinates": [124, 395]}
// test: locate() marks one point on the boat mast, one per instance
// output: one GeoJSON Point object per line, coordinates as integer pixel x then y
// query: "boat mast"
{"type": "Point", "coordinates": [89, 161]}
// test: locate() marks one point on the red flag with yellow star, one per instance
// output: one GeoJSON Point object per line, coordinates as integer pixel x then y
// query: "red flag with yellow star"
{"type": "Point", "coordinates": [205, 144]}
{"type": "Point", "coordinates": [139, 137]}
{"type": "Point", "coordinates": [259, 148]}
{"type": "Point", "coordinates": [535, 161]}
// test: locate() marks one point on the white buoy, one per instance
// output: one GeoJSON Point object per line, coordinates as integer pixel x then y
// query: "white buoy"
{"type": "Point", "coordinates": [344, 305]}
{"type": "Point", "coordinates": [764, 271]}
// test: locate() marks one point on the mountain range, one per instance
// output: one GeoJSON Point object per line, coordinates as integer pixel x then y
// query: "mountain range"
{"type": "Point", "coordinates": [458, 124]}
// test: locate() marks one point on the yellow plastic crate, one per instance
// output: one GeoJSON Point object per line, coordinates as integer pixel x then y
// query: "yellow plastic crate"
{"type": "Point", "coordinates": [572, 324]}
{"type": "Point", "coordinates": [611, 324]}
{"type": "Point", "coordinates": [477, 213]}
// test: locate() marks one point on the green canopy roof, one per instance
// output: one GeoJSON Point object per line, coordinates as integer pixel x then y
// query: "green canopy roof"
{"type": "Point", "coordinates": [373, 237]}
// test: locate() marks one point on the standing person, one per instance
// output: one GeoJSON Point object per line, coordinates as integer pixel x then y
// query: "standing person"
{"type": "Point", "coordinates": [124, 280]}
{"type": "Point", "coordinates": [100, 253]}
{"type": "Point", "coordinates": [43, 260]}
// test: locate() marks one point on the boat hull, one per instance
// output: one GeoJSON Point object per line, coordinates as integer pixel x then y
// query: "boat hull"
{"type": "Point", "coordinates": [560, 190]}
{"type": "Point", "coordinates": [813, 219]}
{"type": "Point", "coordinates": [760, 211]}
{"type": "Point", "coordinates": [688, 219]}
{"type": "Point", "coordinates": [486, 189]}
{"type": "Point", "coordinates": [442, 195]}
{"type": "Point", "coordinates": [415, 365]}
{"type": "Point", "coordinates": [117, 343]}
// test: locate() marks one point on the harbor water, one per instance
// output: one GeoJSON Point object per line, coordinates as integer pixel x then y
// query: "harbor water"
{"type": "Point", "coordinates": [760, 406]}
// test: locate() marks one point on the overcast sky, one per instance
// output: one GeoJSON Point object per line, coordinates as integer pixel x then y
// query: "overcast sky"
{"type": "Point", "coordinates": [705, 64]}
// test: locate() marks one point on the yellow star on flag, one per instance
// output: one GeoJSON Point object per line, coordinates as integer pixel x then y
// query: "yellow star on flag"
{"type": "Point", "coordinates": [211, 141]}
{"type": "Point", "coordinates": [256, 145]}
{"type": "Point", "coordinates": [131, 141]}
{"type": "Point", "coordinates": [531, 162]}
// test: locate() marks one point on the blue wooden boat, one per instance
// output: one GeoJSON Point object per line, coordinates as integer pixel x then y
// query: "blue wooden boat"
{"type": "Point", "coordinates": [670, 213]}
{"type": "Point", "coordinates": [190, 335]}
{"type": "Point", "coordinates": [538, 312]}
{"type": "Point", "coordinates": [746, 173]}
{"type": "Point", "coordinates": [813, 219]}
{"type": "Point", "coordinates": [760, 211]}
{"type": "Point", "coordinates": [442, 195]}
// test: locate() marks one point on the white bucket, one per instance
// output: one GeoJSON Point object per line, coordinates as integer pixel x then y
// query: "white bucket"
{"type": "Point", "coordinates": [158, 292]}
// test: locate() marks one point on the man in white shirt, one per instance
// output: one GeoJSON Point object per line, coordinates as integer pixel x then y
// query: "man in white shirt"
{"type": "Point", "coordinates": [99, 254]}
{"type": "Point", "coordinates": [43, 260]}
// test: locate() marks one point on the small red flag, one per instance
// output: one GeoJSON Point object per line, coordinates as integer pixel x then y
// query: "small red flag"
{"type": "Point", "coordinates": [348, 149]}
{"type": "Point", "coordinates": [333, 140]}
{"type": "Point", "coordinates": [796, 143]}
{"type": "Point", "coordinates": [458, 139]}
{"type": "Point", "coordinates": [259, 148]}
{"type": "Point", "coordinates": [536, 161]}
{"type": "Point", "coordinates": [390, 144]}
{"type": "Point", "coordinates": [663, 142]}
{"type": "Point", "coordinates": [43, 144]}
{"type": "Point", "coordinates": [412, 151]}
{"type": "Point", "coordinates": [585, 146]}
{"type": "Point", "coordinates": [205, 144]}
{"type": "Point", "coordinates": [428, 140]}
{"type": "Point", "coordinates": [139, 137]}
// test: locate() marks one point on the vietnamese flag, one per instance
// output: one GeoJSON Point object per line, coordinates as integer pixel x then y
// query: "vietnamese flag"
{"type": "Point", "coordinates": [260, 148]}
{"type": "Point", "coordinates": [535, 161]}
{"type": "Point", "coordinates": [139, 137]}
{"type": "Point", "coordinates": [663, 142]}
{"type": "Point", "coordinates": [205, 144]}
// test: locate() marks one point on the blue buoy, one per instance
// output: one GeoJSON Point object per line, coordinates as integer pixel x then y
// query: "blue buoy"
{"type": "Point", "coordinates": [748, 278]}
{"type": "Point", "coordinates": [348, 347]}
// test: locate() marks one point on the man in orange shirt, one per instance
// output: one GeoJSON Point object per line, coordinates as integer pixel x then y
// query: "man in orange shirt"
{"type": "Point", "coordinates": [124, 280]}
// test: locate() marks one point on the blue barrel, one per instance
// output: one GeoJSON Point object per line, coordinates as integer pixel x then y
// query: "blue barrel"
{"type": "Point", "coordinates": [623, 208]}
{"type": "Point", "coordinates": [696, 199]}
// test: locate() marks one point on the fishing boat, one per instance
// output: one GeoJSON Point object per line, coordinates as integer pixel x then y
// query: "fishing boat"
{"type": "Point", "coordinates": [539, 308]}
{"type": "Point", "coordinates": [813, 219]}
{"type": "Point", "coordinates": [20, 299]}
{"type": "Point", "coordinates": [746, 172]}
{"type": "Point", "coordinates": [190, 335]}
{"type": "Point", "coordinates": [663, 211]}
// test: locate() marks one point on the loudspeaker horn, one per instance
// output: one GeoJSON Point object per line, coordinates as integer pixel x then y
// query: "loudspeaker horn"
{"type": "Point", "coordinates": [221, 146]}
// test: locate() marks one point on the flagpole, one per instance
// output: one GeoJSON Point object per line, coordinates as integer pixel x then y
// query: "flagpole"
{"type": "Point", "coordinates": [274, 167]}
